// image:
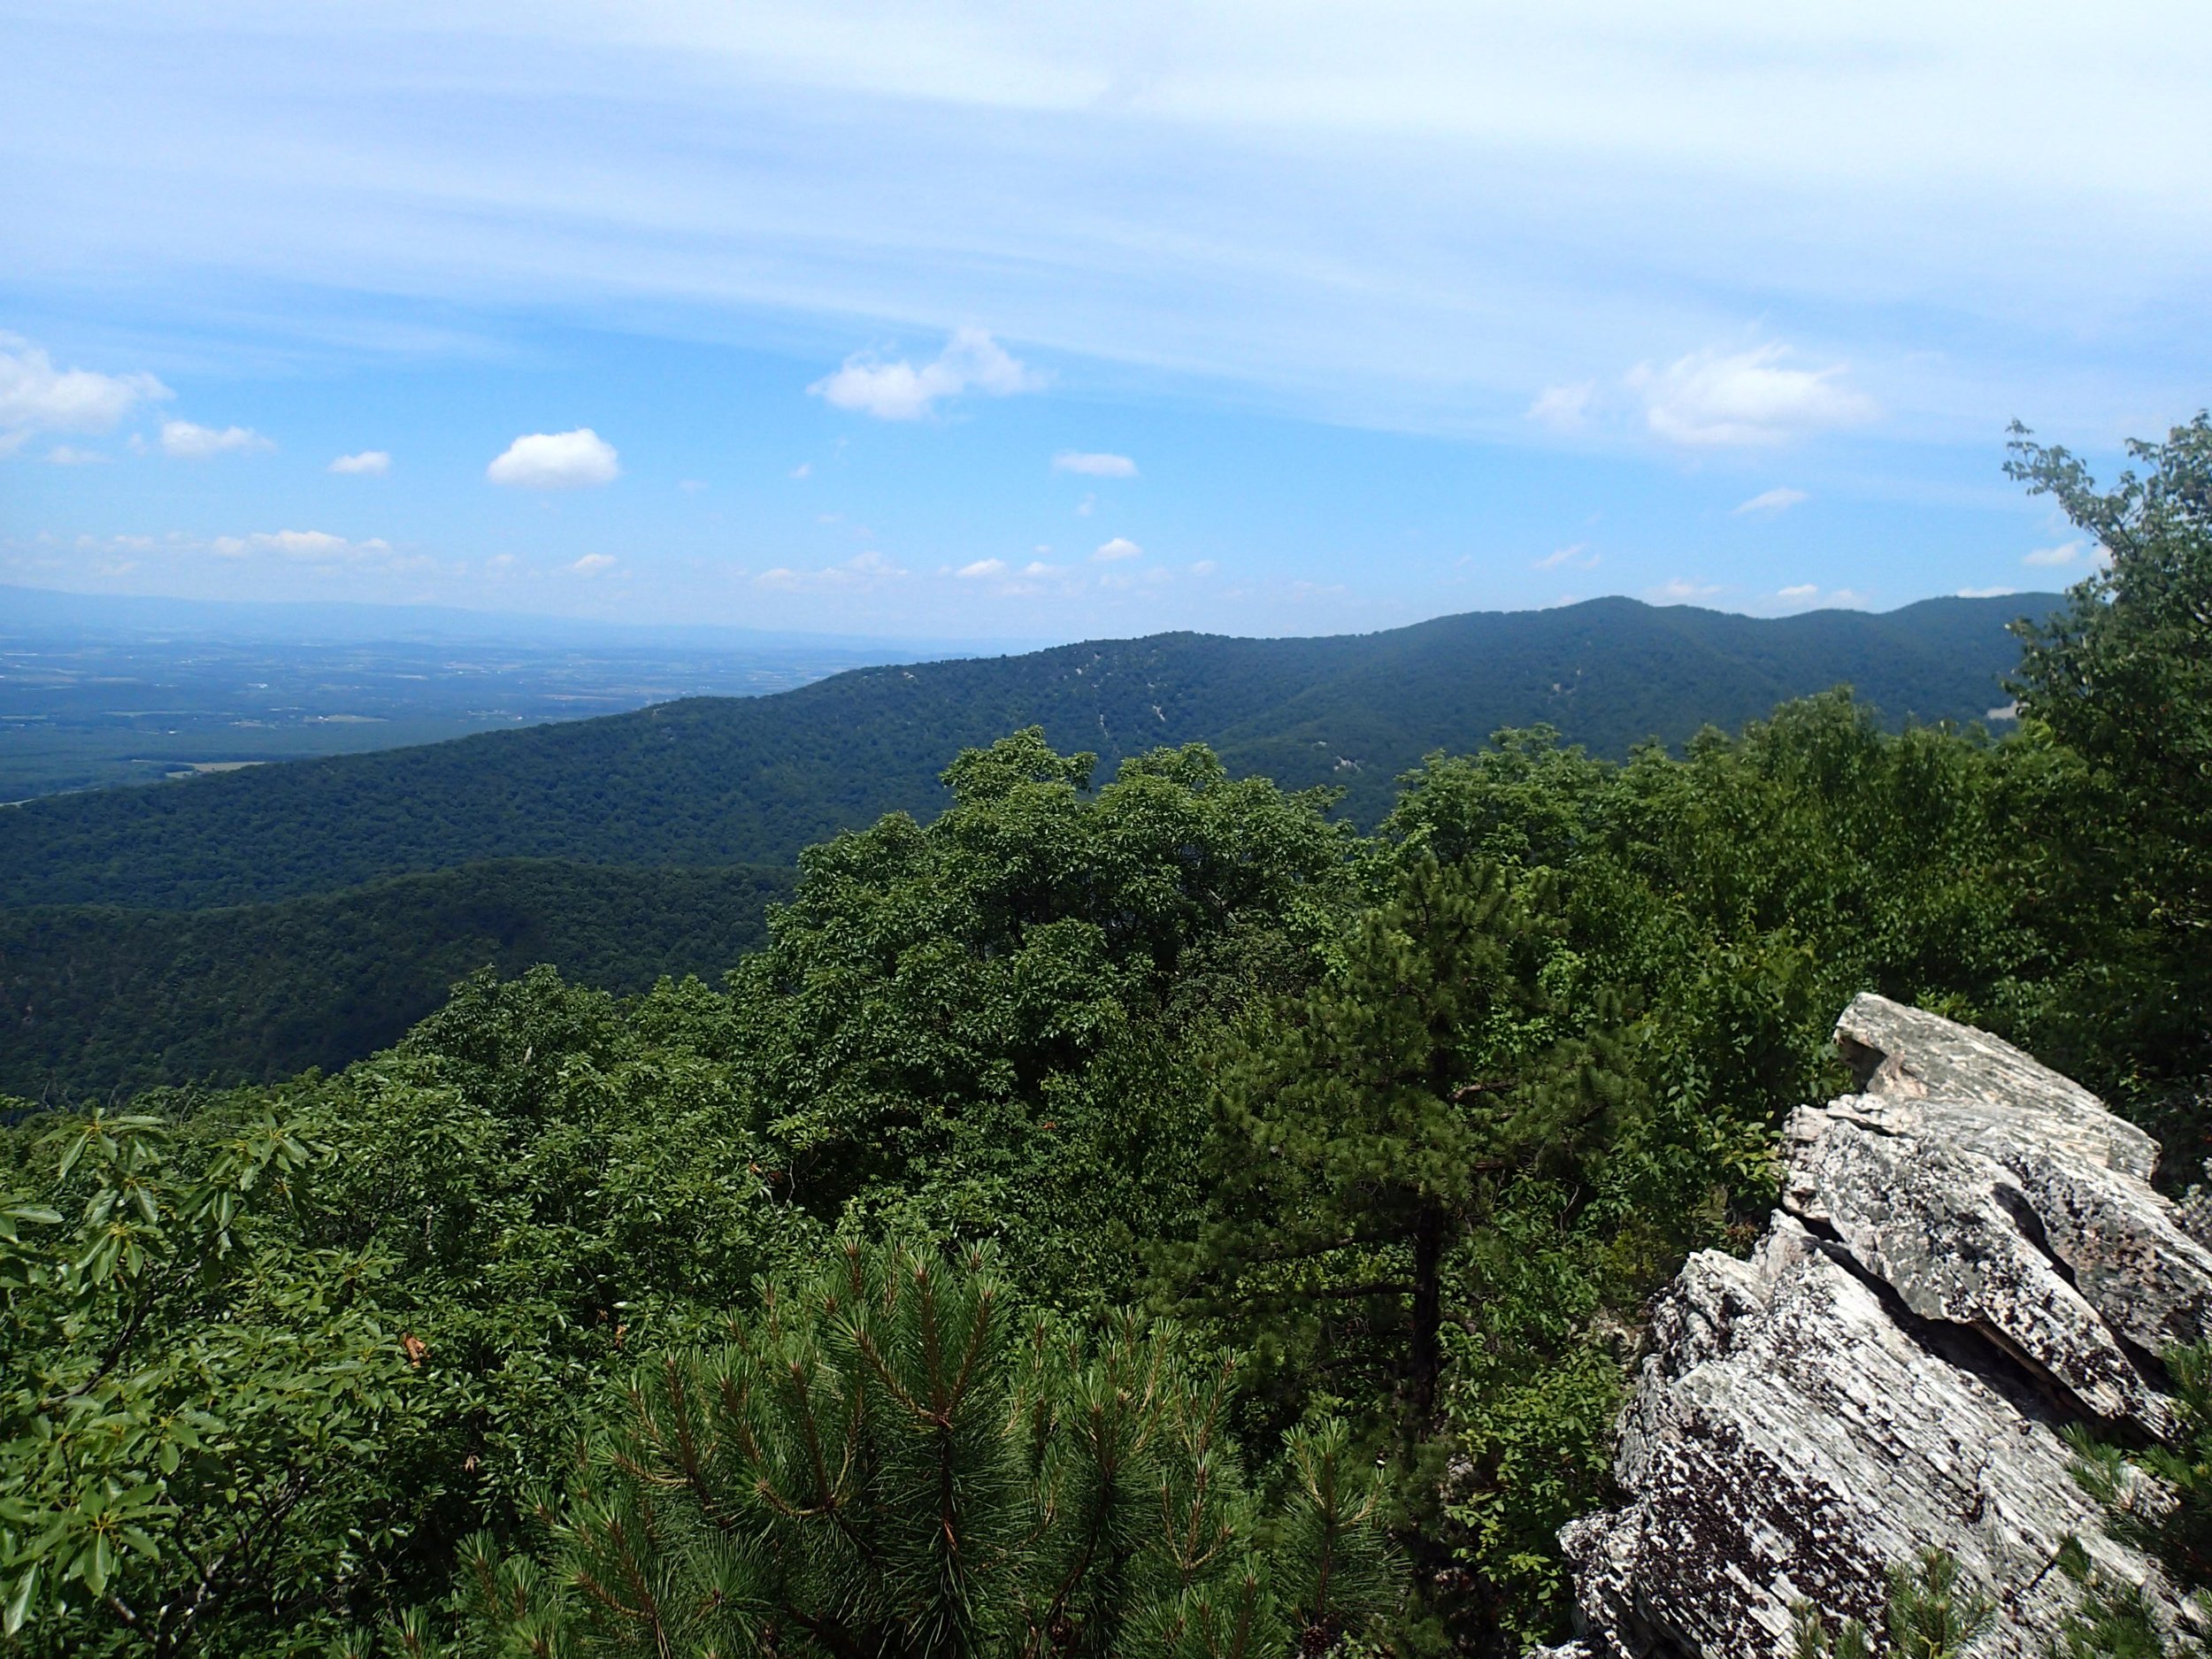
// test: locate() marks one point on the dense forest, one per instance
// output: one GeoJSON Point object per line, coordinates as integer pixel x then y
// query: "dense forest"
{"type": "Point", "coordinates": [752, 780]}
{"type": "Point", "coordinates": [331, 904]}
{"type": "Point", "coordinates": [1132, 1211]}
{"type": "Point", "coordinates": [100, 1002]}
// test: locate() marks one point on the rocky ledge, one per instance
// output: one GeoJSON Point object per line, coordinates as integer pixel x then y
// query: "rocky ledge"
{"type": "Point", "coordinates": [1968, 1257]}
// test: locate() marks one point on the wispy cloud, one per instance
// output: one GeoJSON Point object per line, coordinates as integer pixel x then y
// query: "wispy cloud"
{"type": "Point", "coordinates": [188, 442]}
{"type": "Point", "coordinates": [863, 573]}
{"type": "Point", "coordinates": [593, 564]}
{"type": "Point", "coordinates": [1718, 399]}
{"type": "Point", "coordinates": [1120, 547]}
{"type": "Point", "coordinates": [309, 547]}
{"type": "Point", "coordinates": [1576, 553]}
{"type": "Point", "coordinates": [1681, 591]}
{"type": "Point", "coordinates": [1808, 596]}
{"type": "Point", "coordinates": [981, 569]}
{"type": "Point", "coordinates": [66, 455]}
{"type": "Point", "coordinates": [899, 390]}
{"type": "Point", "coordinates": [1093, 465]}
{"type": "Point", "coordinates": [2054, 557]}
{"type": "Point", "coordinates": [1772, 500]}
{"type": "Point", "coordinates": [1625, 197]}
{"type": "Point", "coordinates": [1563, 408]}
{"type": "Point", "coordinates": [368, 464]}
{"type": "Point", "coordinates": [556, 460]}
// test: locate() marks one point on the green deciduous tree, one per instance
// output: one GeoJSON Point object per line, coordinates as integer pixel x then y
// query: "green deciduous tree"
{"type": "Point", "coordinates": [556, 1178]}
{"type": "Point", "coordinates": [2122, 677]}
{"type": "Point", "coordinates": [989, 1024]}
{"type": "Point", "coordinates": [206, 1423]}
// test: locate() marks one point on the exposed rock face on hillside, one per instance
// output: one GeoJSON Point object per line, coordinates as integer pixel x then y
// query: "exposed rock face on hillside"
{"type": "Point", "coordinates": [1970, 1257]}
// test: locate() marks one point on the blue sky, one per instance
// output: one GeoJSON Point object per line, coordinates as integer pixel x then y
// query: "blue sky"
{"type": "Point", "coordinates": [1040, 321]}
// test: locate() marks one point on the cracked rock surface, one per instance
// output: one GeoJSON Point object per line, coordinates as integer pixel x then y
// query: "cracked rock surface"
{"type": "Point", "coordinates": [1969, 1258]}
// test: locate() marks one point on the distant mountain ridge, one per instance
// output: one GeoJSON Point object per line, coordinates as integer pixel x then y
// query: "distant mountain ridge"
{"type": "Point", "coordinates": [715, 781]}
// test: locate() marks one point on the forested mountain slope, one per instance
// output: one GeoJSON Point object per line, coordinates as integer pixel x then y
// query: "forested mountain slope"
{"type": "Point", "coordinates": [714, 780]}
{"type": "Point", "coordinates": [94, 999]}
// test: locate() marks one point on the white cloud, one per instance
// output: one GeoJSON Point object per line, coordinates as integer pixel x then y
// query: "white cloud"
{"type": "Point", "coordinates": [1563, 408]}
{"type": "Point", "coordinates": [1680, 592]}
{"type": "Point", "coordinates": [65, 454]}
{"type": "Point", "coordinates": [1204, 567]}
{"type": "Point", "coordinates": [982, 568]}
{"type": "Point", "coordinates": [1640, 180]}
{"type": "Point", "coordinates": [1093, 465]}
{"type": "Point", "coordinates": [190, 442]}
{"type": "Point", "coordinates": [1038, 568]}
{"type": "Point", "coordinates": [860, 571]}
{"type": "Point", "coordinates": [1985, 593]}
{"type": "Point", "coordinates": [35, 396]}
{"type": "Point", "coordinates": [2051, 558]}
{"type": "Point", "coordinates": [368, 464]}
{"type": "Point", "coordinates": [1746, 397]}
{"type": "Point", "coordinates": [556, 460]}
{"type": "Point", "coordinates": [308, 547]}
{"type": "Point", "coordinates": [592, 564]}
{"type": "Point", "coordinates": [970, 362]}
{"type": "Point", "coordinates": [1804, 596]}
{"type": "Point", "coordinates": [1772, 500]}
{"type": "Point", "coordinates": [805, 469]}
{"type": "Point", "coordinates": [1575, 554]}
{"type": "Point", "coordinates": [1120, 547]}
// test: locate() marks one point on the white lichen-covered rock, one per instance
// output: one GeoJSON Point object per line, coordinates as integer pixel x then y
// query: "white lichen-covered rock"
{"type": "Point", "coordinates": [1952, 1233]}
{"type": "Point", "coordinates": [1970, 1257]}
{"type": "Point", "coordinates": [2083, 1173]}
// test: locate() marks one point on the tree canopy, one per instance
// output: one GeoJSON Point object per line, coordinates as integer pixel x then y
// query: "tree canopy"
{"type": "Point", "coordinates": [1118, 1214]}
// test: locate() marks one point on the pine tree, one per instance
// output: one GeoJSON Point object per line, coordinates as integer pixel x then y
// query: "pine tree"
{"type": "Point", "coordinates": [893, 1461]}
{"type": "Point", "coordinates": [2157, 1499]}
{"type": "Point", "coordinates": [1932, 1611]}
{"type": "Point", "coordinates": [1365, 1132]}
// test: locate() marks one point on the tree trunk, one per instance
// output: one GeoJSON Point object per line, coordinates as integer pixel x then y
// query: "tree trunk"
{"type": "Point", "coordinates": [1426, 1360]}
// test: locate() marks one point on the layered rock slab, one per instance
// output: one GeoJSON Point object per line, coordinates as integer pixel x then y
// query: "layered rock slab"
{"type": "Point", "coordinates": [1970, 1257]}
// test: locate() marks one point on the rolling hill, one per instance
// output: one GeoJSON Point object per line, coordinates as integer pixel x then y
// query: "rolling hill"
{"type": "Point", "coordinates": [242, 926]}
{"type": "Point", "coordinates": [709, 781]}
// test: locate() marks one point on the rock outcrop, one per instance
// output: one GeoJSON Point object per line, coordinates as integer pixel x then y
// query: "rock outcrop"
{"type": "Point", "coordinates": [1968, 1257]}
